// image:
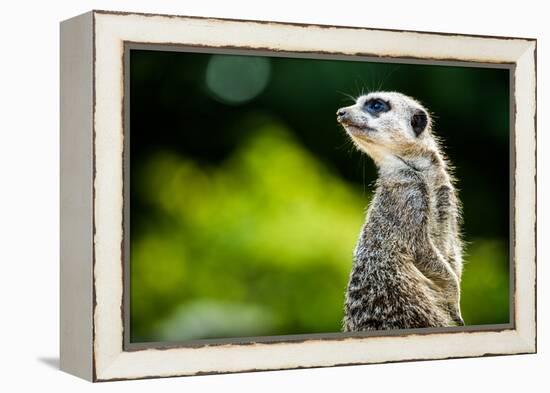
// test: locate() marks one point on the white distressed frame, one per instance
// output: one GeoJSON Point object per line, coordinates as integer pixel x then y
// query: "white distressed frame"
{"type": "Point", "coordinates": [92, 90]}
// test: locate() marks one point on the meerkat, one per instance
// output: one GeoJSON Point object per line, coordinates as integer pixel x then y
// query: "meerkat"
{"type": "Point", "coordinates": [407, 263]}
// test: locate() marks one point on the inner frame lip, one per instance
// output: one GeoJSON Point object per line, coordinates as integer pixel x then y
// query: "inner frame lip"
{"type": "Point", "coordinates": [129, 346]}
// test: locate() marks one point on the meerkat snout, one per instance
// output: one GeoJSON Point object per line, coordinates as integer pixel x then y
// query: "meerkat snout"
{"type": "Point", "coordinates": [341, 114]}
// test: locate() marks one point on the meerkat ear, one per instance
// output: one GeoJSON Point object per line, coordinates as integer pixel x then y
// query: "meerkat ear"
{"type": "Point", "coordinates": [419, 122]}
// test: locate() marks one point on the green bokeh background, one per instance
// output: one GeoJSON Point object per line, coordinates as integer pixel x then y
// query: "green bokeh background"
{"type": "Point", "coordinates": [247, 197]}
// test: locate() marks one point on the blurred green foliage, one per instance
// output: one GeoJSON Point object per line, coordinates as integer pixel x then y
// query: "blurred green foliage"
{"type": "Point", "coordinates": [246, 204]}
{"type": "Point", "coordinates": [268, 233]}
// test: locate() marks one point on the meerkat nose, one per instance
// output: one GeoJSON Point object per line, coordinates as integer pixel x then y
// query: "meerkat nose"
{"type": "Point", "coordinates": [340, 113]}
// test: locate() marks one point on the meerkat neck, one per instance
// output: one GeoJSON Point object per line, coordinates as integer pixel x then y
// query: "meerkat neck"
{"type": "Point", "coordinates": [393, 163]}
{"type": "Point", "coordinates": [418, 158]}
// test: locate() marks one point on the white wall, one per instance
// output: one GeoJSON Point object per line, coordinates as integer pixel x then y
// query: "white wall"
{"type": "Point", "coordinates": [29, 194]}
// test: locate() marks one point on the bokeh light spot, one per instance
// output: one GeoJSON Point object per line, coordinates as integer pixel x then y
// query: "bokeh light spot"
{"type": "Point", "coordinates": [237, 79]}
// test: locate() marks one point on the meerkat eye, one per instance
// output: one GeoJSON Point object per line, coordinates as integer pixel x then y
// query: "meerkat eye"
{"type": "Point", "coordinates": [376, 106]}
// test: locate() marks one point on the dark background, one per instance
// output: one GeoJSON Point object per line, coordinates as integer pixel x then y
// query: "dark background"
{"type": "Point", "coordinates": [207, 131]}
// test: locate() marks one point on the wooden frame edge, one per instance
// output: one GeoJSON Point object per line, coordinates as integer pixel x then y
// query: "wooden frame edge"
{"type": "Point", "coordinates": [76, 196]}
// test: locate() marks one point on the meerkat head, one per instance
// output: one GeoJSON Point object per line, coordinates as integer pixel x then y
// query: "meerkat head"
{"type": "Point", "coordinates": [388, 126]}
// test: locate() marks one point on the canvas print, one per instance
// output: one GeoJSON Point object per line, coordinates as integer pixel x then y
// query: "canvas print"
{"type": "Point", "coordinates": [283, 195]}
